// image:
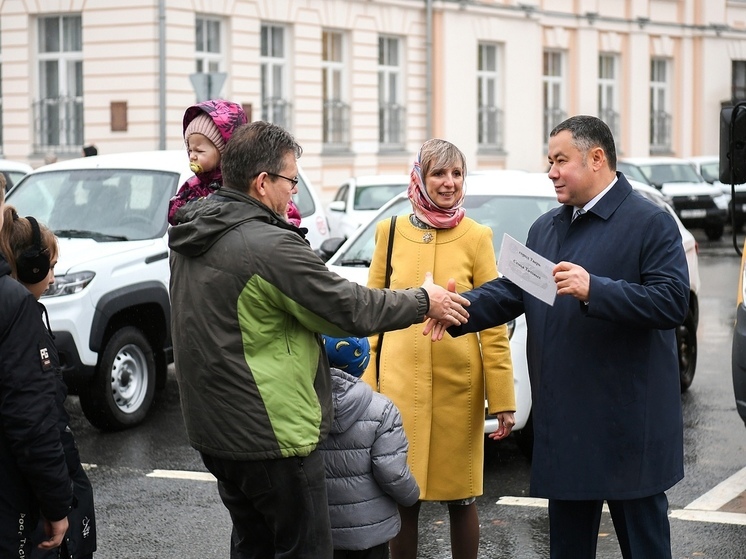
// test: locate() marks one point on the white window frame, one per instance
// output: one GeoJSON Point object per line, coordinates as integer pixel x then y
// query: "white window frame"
{"type": "Point", "coordinates": [608, 92]}
{"type": "Point", "coordinates": [273, 62]}
{"type": "Point", "coordinates": [336, 108]}
{"type": "Point", "coordinates": [58, 114]}
{"type": "Point", "coordinates": [391, 115]}
{"type": "Point", "coordinates": [490, 123]}
{"type": "Point", "coordinates": [660, 103]}
{"type": "Point", "coordinates": [208, 60]}
{"type": "Point", "coordinates": [553, 83]}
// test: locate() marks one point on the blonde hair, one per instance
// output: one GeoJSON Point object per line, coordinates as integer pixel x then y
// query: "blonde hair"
{"type": "Point", "coordinates": [440, 154]}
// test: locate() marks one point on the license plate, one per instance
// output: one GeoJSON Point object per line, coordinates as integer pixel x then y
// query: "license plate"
{"type": "Point", "coordinates": [693, 214]}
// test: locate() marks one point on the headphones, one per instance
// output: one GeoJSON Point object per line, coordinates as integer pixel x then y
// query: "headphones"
{"type": "Point", "coordinates": [33, 265]}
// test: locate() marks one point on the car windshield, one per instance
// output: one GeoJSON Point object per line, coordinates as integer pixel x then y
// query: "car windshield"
{"type": "Point", "coordinates": [374, 196]}
{"type": "Point", "coordinates": [102, 204]}
{"type": "Point", "coordinates": [632, 172]}
{"type": "Point", "coordinates": [710, 171]}
{"type": "Point", "coordinates": [303, 199]}
{"type": "Point", "coordinates": [503, 214]}
{"type": "Point", "coordinates": [662, 173]}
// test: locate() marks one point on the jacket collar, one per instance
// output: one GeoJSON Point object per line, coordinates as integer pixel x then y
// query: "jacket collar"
{"type": "Point", "coordinates": [603, 209]}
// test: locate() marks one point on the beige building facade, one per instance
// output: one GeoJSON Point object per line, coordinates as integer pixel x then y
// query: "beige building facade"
{"type": "Point", "coordinates": [362, 83]}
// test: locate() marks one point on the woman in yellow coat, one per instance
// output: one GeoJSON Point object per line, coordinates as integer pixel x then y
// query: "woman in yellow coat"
{"type": "Point", "coordinates": [440, 387]}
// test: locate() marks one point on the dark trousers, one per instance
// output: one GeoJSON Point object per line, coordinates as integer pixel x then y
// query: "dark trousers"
{"type": "Point", "coordinates": [378, 552]}
{"type": "Point", "coordinates": [278, 507]}
{"type": "Point", "coordinates": [641, 526]}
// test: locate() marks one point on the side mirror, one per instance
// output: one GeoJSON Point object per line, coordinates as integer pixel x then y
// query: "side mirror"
{"type": "Point", "coordinates": [337, 206]}
{"type": "Point", "coordinates": [329, 247]}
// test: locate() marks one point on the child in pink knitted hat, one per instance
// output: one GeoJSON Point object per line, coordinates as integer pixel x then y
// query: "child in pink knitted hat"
{"type": "Point", "coordinates": [207, 127]}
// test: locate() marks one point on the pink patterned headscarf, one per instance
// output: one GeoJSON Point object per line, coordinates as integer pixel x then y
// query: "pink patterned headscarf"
{"type": "Point", "coordinates": [425, 209]}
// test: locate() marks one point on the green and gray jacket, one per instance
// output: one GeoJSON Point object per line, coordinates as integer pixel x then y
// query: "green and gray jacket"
{"type": "Point", "coordinates": [248, 300]}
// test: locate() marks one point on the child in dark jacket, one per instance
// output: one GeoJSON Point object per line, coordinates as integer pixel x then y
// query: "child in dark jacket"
{"type": "Point", "coordinates": [365, 456]}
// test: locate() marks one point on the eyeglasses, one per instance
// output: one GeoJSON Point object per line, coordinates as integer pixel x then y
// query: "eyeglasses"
{"type": "Point", "coordinates": [294, 181]}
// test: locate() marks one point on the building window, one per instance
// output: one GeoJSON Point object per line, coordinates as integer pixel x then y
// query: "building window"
{"type": "Point", "coordinates": [336, 133]}
{"type": "Point", "coordinates": [391, 111]}
{"type": "Point", "coordinates": [738, 81]}
{"type": "Point", "coordinates": [490, 117]}
{"type": "Point", "coordinates": [208, 47]}
{"type": "Point", "coordinates": [608, 92]}
{"type": "Point", "coordinates": [554, 99]}
{"type": "Point", "coordinates": [273, 63]}
{"type": "Point", "coordinates": [208, 78]}
{"type": "Point", "coordinates": [58, 112]}
{"type": "Point", "coordinates": [660, 117]}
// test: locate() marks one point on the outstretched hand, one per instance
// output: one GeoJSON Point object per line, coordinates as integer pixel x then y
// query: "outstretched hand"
{"type": "Point", "coordinates": [437, 327]}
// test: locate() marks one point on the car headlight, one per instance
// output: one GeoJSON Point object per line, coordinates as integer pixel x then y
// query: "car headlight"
{"type": "Point", "coordinates": [69, 284]}
{"type": "Point", "coordinates": [721, 202]}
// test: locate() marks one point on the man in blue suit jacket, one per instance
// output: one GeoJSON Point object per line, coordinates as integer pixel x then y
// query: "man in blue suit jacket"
{"type": "Point", "coordinates": [603, 359]}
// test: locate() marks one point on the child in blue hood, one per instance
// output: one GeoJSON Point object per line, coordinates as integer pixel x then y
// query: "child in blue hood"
{"type": "Point", "coordinates": [365, 457]}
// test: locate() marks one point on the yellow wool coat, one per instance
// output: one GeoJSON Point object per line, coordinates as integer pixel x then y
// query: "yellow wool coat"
{"type": "Point", "coordinates": [440, 387]}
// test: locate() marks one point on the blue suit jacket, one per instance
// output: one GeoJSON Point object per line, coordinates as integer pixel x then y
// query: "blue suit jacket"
{"type": "Point", "coordinates": [604, 377]}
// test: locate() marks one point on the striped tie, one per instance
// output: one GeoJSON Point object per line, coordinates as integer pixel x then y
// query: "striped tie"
{"type": "Point", "coordinates": [577, 213]}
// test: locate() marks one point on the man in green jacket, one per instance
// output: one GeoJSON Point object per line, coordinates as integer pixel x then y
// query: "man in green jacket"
{"type": "Point", "coordinates": [249, 300]}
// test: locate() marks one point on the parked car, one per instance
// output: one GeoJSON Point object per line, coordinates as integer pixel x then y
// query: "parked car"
{"type": "Point", "coordinates": [313, 216]}
{"type": "Point", "coordinates": [358, 199]}
{"type": "Point", "coordinates": [709, 167]}
{"type": "Point", "coordinates": [506, 201]}
{"type": "Point", "coordinates": [509, 202]}
{"type": "Point", "coordinates": [686, 333]}
{"type": "Point", "coordinates": [109, 306]}
{"type": "Point", "coordinates": [13, 171]}
{"type": "Point", "coordinates": [697, 203]}
{"type": "Point", "coordinates": [738, 353]}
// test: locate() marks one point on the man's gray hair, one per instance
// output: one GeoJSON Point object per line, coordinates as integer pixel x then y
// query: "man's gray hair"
{"type": "Point", "coordinates": [256, 148]}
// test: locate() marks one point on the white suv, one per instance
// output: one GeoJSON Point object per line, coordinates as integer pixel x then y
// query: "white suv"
{"type": "Point", "coordinates": [697, 203]}
{"type": "Point", "coordinates": [359, 198]}
{"type": "Point", "coordinates": [109, 306]}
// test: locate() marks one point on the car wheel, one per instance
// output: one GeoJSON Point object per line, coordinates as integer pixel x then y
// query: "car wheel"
{"type": "Point", "coordinates": [525, 438]}
{"type": "Point", "coordinates": [686, 341]}
{"type": "Point", "coordinates": [714, 232]}
{"type": "Point", "coordinates": [122, 390]}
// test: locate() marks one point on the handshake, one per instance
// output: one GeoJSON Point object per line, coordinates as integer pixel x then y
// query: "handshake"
{"type": "Point", "coordinates": [447, 308]}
